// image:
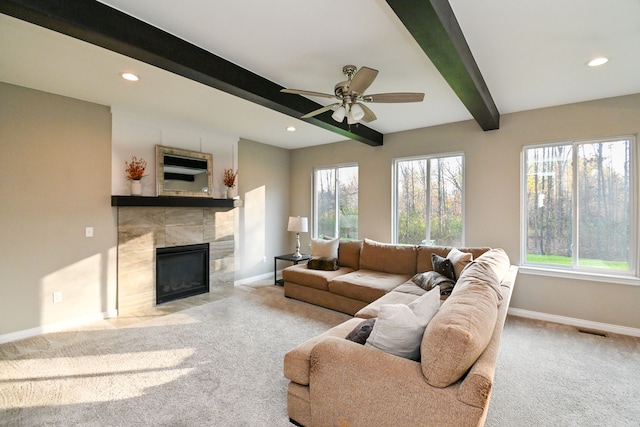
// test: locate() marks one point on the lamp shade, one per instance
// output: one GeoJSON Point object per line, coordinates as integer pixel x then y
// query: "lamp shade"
{"type": "Point", "coordinates": [299, 224]}
{"type": "Point", "coordinates": [356, 113]}
{"type": "Point", "coordinates": [339, 114]}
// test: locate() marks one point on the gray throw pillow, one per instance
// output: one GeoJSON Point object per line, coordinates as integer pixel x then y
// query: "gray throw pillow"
{"type": "Point", "coordinates": [361, 332]}
{"type": "Point", "coordinates": [443, 266]}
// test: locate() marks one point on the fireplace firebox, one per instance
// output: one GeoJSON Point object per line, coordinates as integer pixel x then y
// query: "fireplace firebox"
{"type": "Point", "coordinates": [181, 271]}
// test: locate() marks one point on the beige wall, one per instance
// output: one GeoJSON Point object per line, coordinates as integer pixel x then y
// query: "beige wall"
{"type": "Point", "coordinates": [62, 184]}
{"type": "Point", "coordinates": [263, 185]}
{"type": "Point", "coordinates": [492, 192]}
{"type": "Point", "coordinates": [55, 180]}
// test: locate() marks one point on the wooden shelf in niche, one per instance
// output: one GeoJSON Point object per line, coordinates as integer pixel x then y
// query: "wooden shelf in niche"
{"type": "Point", "coordinates": [172, 201]}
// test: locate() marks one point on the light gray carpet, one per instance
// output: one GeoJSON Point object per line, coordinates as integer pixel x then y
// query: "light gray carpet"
{"type": "Point", "coordinates": [553, 375]}
{"type": "Point", "coordinates": [220, 364]}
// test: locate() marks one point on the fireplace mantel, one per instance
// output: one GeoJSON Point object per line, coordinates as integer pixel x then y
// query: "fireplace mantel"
{"type": "Point", "coordinates": [172, 201]}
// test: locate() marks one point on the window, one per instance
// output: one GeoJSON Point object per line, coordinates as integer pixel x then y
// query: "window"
{"type": "Point", "coordinates": [579, 206]}
{"type": "Point", "coordinates": [336, 202]}
{"type": "Point", "coordinates": [429, 200]}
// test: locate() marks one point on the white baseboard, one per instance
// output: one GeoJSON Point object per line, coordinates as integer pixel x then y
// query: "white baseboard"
{"type": "Point", "coordinates": [571, 321]}
{"type": "Point", "coordinates": [57, 327]}
{"type": "Point", "coordinates": [253, 279]}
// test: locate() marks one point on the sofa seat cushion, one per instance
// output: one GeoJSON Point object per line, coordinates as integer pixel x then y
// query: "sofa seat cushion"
{"type": "Point", "coordinates": [366, 285]}
{"type": "Point", "coordinates": [409, 287]}
{"type": "Point", "coordinates": [318, 279]}
{"type": "Point", "coordinates": [297, 360]}
{"type": "Point", "coordinates": [400, 295]}
{"type": "Point", "coordinates": [459, 333]}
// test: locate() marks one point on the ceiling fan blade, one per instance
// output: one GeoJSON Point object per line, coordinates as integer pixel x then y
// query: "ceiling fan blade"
{"type": "Point", "coordinates": [307, 92]}
{"type": "Point", "coordinates": [319, 111]}
{"type": "Point", "coordinates": [394, 97]}
{"type": "Point", "coordinates": [368, 114]}
{"type": "Point", "coordinates": [363, 79]}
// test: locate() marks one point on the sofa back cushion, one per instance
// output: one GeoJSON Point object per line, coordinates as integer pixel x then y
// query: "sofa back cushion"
{"type": "Point", "coordinates": [424, 255]}
{"type": "Point", "coordinates": [349, 253]}
{"type": "Point", "coordinates": [459, 333]}
{"type": "Point", "coordinates": [388, 258]}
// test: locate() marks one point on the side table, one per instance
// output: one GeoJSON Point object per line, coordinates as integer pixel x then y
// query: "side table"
{"type": "Point", "coordinates": [286, 257]}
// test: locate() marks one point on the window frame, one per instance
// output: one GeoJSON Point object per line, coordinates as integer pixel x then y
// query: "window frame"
{"type": "Point", "coordinates": [394, 190]}
{"type": "Point", "coordinates": [575, 270]}
{"type": "Point", "coordinates": [314, 197]}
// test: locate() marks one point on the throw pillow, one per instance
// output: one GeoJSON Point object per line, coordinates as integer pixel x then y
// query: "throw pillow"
{"type": "Point", "coordinates": [443, 266]}
{"type": "Point", "coordinates": [326, 264]}
{"type": "Point", "coordinates": [322, 248]}
{"type": "Point", "coordinates": [400, 327]}
{"type": "Point", "coordinates": [459, 260]}
{"type": "Point", "coordinates": [361, 332]}
{"type": "Point", "coordinates": [430, 279]}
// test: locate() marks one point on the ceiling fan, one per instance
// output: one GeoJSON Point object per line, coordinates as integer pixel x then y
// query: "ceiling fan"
{"type": "Point", "coordinates": [351, 97]}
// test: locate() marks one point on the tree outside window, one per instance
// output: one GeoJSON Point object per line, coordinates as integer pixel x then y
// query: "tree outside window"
{"type": "Point", "coordinates": [336, 202]}
{"type": "Point", "coordinates": [429, 200]}
{"type": "Point", "coordinates": [579, 205]}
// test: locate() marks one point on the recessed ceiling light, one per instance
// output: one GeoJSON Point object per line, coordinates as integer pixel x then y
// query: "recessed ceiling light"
{"type": "Point", "coordinates": [291, 129]}
{"type": "Point", "coordinates": [130, 76]}
{"type": "Point", "coordinates": [598, 61]}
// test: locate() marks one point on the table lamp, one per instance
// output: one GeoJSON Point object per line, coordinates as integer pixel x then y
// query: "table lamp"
{"type": "Point", "coordinates": [299, 225]}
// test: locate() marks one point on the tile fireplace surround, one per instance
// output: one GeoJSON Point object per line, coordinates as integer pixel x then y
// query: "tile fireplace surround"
{"type": "Point", "coordinates": [143, 229]}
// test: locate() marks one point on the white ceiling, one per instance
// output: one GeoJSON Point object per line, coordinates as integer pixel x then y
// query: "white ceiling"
{"type": "Point", "coordinates": [531, 54]}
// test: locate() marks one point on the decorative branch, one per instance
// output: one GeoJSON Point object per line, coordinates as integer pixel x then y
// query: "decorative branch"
{"type": "Point", "coordinates": [135, 169]}
{"type": "Point", "coordinates": [229, 178]}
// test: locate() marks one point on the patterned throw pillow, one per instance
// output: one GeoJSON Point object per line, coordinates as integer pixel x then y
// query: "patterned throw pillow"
{"type": "Point", "coordinates": [443, 266]}
{"type": "Point", "coordinates": [320, 263]}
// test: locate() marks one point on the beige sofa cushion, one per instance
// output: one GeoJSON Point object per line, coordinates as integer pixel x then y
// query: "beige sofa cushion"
{"type": "Point", "coordinates": [366, 285]}
{"type": "Point", "coordinates": [461, 330]}
{"type": "Point", "coordinates": [388, 258]}
{"type": "Point", "coordinates": [403, 294]}
{"type": "Point", "coordinates": [318, 279]}
{"type": "Point", "coordinates": [349, 253]}
{"type": "Point", "coordinates": [459, 260]}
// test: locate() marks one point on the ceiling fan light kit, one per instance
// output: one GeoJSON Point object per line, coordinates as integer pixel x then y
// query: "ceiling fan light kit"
{"type": "Point", "coordinates": [351, 97]}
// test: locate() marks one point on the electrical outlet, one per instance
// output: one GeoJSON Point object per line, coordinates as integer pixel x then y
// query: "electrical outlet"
{"type": "Point", "coordinates": [57, 297]}
{"type": "Point", "coordinates": [88, 232]}
{"type": "Point", "coordinates": [264, 259]}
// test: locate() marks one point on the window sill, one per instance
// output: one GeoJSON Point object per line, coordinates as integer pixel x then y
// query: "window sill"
{"type": "Point", "coordinates": [579, 275]}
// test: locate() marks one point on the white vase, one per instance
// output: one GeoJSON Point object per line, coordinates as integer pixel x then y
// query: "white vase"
{"type": "Point", "coordinates": [229, 193]}
{"type": "Point", "coordinates": [136, 187]}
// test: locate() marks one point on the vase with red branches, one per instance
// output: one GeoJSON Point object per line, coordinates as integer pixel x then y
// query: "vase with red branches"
{"type": "Point", "coordinates": [229, 180]}
{"type": "Point", "coordinates": [135, 172]}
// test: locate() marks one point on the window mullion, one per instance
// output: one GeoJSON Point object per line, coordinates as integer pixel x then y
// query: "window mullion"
{"type": "Point", "coordinates": [336, 228]}
{"type": "Point", "coordinates": [428, 210]}
{"type": "Point", "coordinates": [575, 217]}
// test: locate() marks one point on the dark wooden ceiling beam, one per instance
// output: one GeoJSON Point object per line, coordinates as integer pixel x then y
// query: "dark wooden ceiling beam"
{"type": "Point", "coordinates": [101, 25]}
{"type": "Point", "coordinates": [434, 26]}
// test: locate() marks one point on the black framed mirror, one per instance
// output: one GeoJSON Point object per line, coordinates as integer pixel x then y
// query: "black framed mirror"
{"type": "Point", "coordinates": [182, 172]}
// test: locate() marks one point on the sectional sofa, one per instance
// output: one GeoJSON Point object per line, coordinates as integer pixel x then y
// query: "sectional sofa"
{"type": "Point", "coordinates": [336, 381]}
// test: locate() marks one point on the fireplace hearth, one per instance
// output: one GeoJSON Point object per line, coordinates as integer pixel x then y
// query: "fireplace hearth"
{"type": "Point", "coordinates": [181, 271]}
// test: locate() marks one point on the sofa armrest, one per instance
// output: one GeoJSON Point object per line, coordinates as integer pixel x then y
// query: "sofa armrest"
{"type": "Point", "coordinates": [357, 385]}
{"type": "Point", "coordinates": [475, 388]}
